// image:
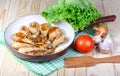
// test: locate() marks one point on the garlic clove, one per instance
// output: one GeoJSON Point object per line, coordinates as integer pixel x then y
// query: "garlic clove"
{"type": "Point", "coordinates": [97, 39]}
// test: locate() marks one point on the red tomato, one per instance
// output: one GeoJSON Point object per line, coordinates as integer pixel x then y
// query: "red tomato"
{"type": "Point", "coordinates": [84, 44]}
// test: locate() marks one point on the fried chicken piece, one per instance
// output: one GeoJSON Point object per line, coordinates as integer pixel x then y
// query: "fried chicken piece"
{"type": "Point", "coordinates": [59, 40]}
{"type": "Point", "coordinates": [53, 32]}
{"type": "Point", "coordinates": [34, 29]}
{"type": "Point", "coordinates": [44, 28]}
{"type": "Point", "coordinates": [21, 37]}
{"type": "Point", "coordinates": [29, 49]}
{"type": "Point", "coordinates": [18, 45]}
{"type": "Point", "coordinates": [40, 52]}
{"type": "Point", "coordinates": [26, 31]}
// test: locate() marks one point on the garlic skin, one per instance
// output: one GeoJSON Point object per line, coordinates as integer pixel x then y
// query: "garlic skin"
{"type": "Point", "coordinates": [97, 39]}
{"type": "Point", "coordinates": [103, 48]}
{"type": "Point", "coordinates": [106, 45]}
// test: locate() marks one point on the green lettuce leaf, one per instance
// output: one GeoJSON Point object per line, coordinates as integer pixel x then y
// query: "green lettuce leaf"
{"type": "Point", "coordinates": [79, 13]}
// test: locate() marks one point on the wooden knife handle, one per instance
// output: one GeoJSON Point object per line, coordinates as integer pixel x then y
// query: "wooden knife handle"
{"type": "Point", "coordinates": [112, 59]}
{"type": "Point", "coordinates": [109, 18]}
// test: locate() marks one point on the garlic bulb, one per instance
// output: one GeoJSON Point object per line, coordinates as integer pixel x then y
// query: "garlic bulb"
{"type": "Point", "coordinates": [99, 29]}
{"type": "Point", "coordinates": [106, 45]}
{"type": "Point", "coordinates": [97, 39]}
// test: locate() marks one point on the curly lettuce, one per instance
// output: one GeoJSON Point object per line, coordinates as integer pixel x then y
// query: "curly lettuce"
{"type": "Point", "coordinates": [79, 13]}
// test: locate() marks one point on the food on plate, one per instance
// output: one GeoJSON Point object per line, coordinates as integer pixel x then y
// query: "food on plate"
{"type": "Point", "coordinates": [26, 31]}
{"type": "Point", "coordinates": [44, 29]}
{"type": "Point", "coordinates": [38, 39]}
{"type": "Point", "coordinates": [21, 37]}
{"type": "Point", "coordinates": [18, 45]}
{"type": "Point", "coordinates": [34, 29]}
{"type": "Point", "coordinates": [79, 13]}
{"type": "Point", "coordinates": [53, 32]}
{"type": "Point", "coordinates": [84, 44]}
{"type": "Point", "coordinates": [58, 40]}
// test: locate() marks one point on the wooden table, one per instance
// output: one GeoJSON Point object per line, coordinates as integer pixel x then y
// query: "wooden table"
{"type": "Point", "coordinates": [14, 9]}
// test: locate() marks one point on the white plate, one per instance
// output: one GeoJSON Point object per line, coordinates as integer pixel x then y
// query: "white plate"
{"type": "Point", "coordinates": [15, 26]}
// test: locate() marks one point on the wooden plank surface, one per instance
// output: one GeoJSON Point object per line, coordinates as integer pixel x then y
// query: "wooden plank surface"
{"type": "Point", "coordinates": [14, 9]}
{"type": "Point", "coordinates": [102, 69]}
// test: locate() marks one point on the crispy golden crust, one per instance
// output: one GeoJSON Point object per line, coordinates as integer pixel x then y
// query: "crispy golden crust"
{"type": "Point", "coordinates": [45, 26]}
{"type": "Point", "coordinates": [44, 29]}
{"type": "Point", "coordinates": [53, 32]}
{"type": "Point", "coordinates": [34, 29]}
{"type": "Point", "coordinates": [26, 31]}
